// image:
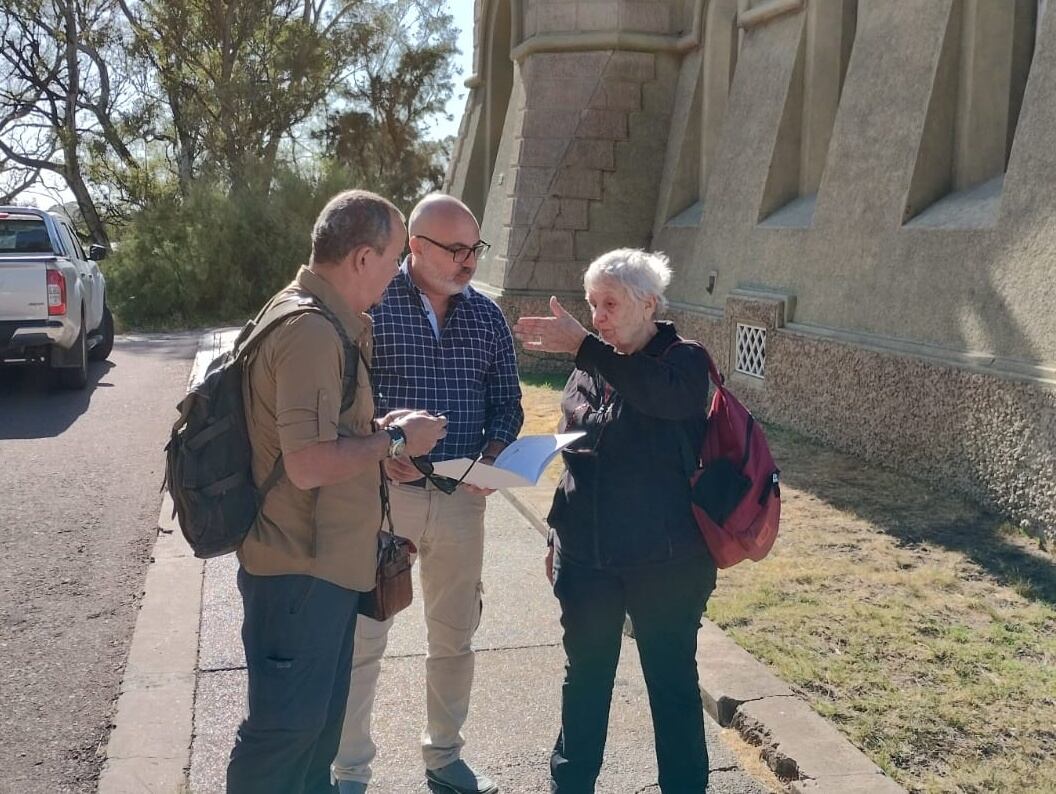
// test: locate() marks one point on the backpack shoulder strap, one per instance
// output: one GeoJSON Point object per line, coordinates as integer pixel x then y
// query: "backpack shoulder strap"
{"type": "Point", "coordinates": [270, 316]}
{"type": "Point", "coordinates": [690, 456]}
{"type": "Point", "coordinates": [350, 377]}
{"type": "Point", "coordinates": [274, 312]}
{"type": "Point", "coordinates": [713, 371]}
{"type": "Point", "coordinates": [289, 305]}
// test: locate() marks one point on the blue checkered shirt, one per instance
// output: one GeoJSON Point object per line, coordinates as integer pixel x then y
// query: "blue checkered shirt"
{"type": "Point", "coordinates": [468, 374]}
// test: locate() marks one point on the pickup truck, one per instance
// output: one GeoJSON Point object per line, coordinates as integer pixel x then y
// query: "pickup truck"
{"type": "Point", "coordinates": [52, 296]}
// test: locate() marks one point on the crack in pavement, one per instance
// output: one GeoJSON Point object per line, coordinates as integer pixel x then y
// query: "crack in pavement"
{"type": "Point", "coordinates": [484, 650]}
{"type": "Point", "coordinates": [240, 668]}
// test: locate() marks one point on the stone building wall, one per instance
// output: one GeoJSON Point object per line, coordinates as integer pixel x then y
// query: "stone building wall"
{"type": "Point", "coordinates": [870, 183]}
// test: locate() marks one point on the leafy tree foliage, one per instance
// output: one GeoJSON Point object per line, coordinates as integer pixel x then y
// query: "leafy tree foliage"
{"type": "Point", "coordinates": [379, 133]}
{"type": "Point", "coordinates": [240, 85]}
{"type": "Point", "coordinates": [239, 77]}
{"type": "Point", "coordinates": [57, 99]}
{"type": "Point", "coordinates": [207, 133]}
{"type": "Point", "coordinates": [203, 258]}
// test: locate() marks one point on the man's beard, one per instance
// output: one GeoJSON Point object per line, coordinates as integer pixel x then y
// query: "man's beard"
{"type": "Point", "coordinates": [459, 281]}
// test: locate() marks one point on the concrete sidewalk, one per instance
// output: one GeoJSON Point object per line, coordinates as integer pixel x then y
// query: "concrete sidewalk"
{"type": "Point", "coordinates": [183, 691]}
{"type": "Point", "coordinates": [516, 696]}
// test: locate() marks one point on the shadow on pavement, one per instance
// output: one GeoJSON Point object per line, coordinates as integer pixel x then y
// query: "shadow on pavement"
{"type": "Point", "coordinates": [32, 406]}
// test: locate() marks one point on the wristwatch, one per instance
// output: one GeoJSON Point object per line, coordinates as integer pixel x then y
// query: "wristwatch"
{"type": "Point", "coordinates": [397, 440]}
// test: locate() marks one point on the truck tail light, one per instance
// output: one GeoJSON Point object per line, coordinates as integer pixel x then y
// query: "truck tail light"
{"type": "Point", "coordinates": [56, 293]}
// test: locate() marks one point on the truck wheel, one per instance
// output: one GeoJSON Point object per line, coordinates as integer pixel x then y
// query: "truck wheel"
{"type": "Point", "coordinates": [106, 343]}
{"type": "Point", "coordinates": [76, 377]}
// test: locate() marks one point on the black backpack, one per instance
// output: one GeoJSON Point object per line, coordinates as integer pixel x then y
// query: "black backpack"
{"type": "Point", "coordinates": [208, 458]}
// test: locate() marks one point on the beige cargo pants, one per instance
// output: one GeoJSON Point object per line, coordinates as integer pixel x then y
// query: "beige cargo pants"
{"type": "Point", "coordinates": [449, 533]}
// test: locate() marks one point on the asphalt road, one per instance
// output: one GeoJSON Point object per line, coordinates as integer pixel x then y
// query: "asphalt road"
{"type": "Point", "coordinates": [79, 480]}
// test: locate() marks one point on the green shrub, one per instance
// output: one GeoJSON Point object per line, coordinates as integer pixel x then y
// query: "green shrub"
{"type": "Point", "coordinates": [212, 258]}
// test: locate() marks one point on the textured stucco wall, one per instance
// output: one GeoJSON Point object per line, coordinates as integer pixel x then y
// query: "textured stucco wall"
{"type": "Point", "coordinates": [988, 436]}
{"type": "Point", "coordinates": [925, 341]}
{"type": "Point", "coordinates": [857, 267]}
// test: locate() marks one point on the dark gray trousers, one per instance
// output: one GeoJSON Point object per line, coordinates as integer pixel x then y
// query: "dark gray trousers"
{"type": "Point", "coordinates": [298, 632]}
{"type": "Point", "coordinates": [666, 602]}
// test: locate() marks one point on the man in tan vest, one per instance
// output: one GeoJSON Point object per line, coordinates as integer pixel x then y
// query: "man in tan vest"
{"type": "Point", "coordinates": [313, 548]}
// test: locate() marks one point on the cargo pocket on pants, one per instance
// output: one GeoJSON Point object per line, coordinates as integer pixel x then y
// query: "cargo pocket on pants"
{"type": "Point", "coordinates": [286, 694]}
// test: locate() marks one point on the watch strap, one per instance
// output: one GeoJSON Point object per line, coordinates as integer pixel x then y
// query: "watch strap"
{"type": "Point", "coordinates": [397, 440]}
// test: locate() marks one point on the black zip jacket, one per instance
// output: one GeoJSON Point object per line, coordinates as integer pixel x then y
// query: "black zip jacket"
{"type": "Point", "coordinates": [624, 498]}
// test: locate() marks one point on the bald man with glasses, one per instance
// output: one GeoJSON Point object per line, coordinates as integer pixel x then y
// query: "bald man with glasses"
{"type": "Point", "coordinates": [438, 345]}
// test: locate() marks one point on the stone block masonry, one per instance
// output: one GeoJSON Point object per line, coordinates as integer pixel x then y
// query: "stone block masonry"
{"type": "Point", "coordinates": [578, 106]}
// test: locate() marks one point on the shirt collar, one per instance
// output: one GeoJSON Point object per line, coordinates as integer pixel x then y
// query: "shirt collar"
{"type": "Point", "coordinates": [356, 323]}
{"type": "Point", "coordinates": [662, 339]}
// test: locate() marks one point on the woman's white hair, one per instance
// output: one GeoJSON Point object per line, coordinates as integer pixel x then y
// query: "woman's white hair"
{"type": "Point", "coordinates": [642, 273]}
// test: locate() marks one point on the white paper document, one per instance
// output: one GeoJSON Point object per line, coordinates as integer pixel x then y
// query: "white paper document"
{"type": "Point", "coordinates": [520, 464]}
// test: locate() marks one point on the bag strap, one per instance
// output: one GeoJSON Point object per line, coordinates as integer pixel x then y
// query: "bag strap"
{"type": "Point", "coordinates": [383, 493]}
{"type": "Point", "coordinates": [691, 457]}
{"type": "Point", "coordinates": [273, 479]}
{"type": "Point", "coordinates": [290, 305]}
{"type": "Point", "coordinates": [383, 481]}
{"type": "Point", "coordinates": [274, 312]}
{"type": "Point", "coordinates": [713, 371]}
{"type": "Point", "coordinates": [386, 509]}
{"type": "Point", "coordinates": [353, 355]}
{"type": "Point", "coordinates": [268, 318]}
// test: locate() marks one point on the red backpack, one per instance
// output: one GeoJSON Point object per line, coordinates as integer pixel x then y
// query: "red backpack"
{"type": "Point", "coordinates": [735, 488]}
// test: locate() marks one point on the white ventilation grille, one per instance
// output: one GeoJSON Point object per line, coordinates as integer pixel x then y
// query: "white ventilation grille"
{"type": "Point", "coordinates": [751, 350]}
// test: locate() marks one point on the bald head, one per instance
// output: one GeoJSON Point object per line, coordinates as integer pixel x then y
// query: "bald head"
{"type": "Point", "coordinates": [445, 243]}
{"type": "Point", "coordinates": [437, 211]}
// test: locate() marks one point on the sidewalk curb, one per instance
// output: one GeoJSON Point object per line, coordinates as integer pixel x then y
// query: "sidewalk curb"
{"type": "Point", "coordinates": [738, 691]}
{"type": "Point", "coordinates": [149, 749]}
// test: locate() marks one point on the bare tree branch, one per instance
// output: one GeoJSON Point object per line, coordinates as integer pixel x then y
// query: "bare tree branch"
{"type": "Point", "coordinates": [36, 163]}
{"type": "Point", "coordinates": [101, 108]}
{"type": "Point", "coordinates": [11, 194]}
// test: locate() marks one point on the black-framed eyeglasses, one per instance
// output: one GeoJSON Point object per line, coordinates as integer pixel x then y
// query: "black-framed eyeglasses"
{"type": "Point", "coordinates": [445, 484]}
{"type": "Point", "coordinates": [460, 253]}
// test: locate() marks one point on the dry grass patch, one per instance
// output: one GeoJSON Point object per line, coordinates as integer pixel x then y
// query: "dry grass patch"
{"type": "Point", "coordinates": [922, 627]}
{"type": "Point", "coordinates": [542, 410]}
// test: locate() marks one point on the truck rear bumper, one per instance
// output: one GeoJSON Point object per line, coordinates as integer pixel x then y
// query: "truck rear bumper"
{"type": "Point", "coordinates": [19, 336]}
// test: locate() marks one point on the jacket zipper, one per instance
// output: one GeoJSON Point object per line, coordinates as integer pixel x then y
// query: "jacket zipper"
{"type": "Point", "coordinates": [605, 405]}
{"type": "Point", "coordinates": [594, 522]}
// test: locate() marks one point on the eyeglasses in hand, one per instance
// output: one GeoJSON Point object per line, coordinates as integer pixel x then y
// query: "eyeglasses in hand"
{"type": "Point", "coordinates": [444, 484]}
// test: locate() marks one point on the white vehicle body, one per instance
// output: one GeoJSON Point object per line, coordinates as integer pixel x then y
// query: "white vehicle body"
{"type": "Point", "coordinates": [52, 295]}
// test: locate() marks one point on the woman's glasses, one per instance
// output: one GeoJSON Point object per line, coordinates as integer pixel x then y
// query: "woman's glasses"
{"type": "Point", "coordinates": [444, 484]}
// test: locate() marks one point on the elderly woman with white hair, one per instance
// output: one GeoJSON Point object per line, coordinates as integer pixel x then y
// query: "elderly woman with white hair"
{"type": "Point", "coordinates": [623, 537]}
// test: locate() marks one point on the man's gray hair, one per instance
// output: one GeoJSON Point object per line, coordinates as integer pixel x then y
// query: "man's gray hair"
{"type": "Point", "coordinates": [349, 220]}
{"type": "Point", "coordinates": [642, 273]}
